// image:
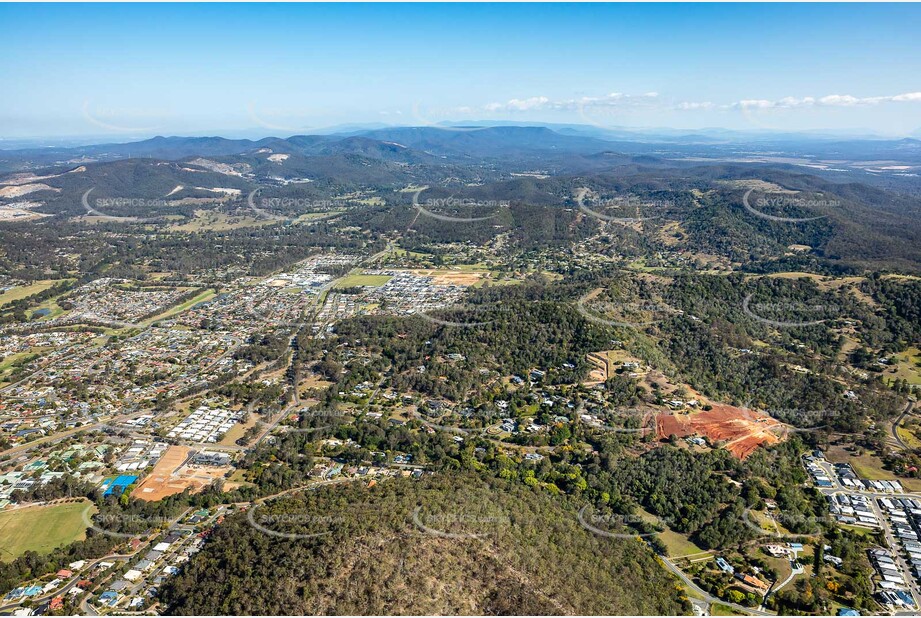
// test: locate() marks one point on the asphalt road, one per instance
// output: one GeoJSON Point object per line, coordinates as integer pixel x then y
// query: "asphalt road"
{"type": "Point", "coordinates": [898, 421]}
{"type": "Point", "coordinates": [706, 595]}
{"type": "Point", "coordinates": [73, 582]}
{"type": "Point", "coordinates": [891, 541]}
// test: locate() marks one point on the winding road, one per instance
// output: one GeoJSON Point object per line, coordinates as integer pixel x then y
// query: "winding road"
{"type": "Point", "coordinates": [687, 581]}
{"type": "Point", "coordinates": [898, 421]}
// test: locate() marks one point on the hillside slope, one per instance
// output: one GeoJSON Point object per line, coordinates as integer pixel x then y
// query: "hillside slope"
{"type": "Point", "coordinates": [439, 545]}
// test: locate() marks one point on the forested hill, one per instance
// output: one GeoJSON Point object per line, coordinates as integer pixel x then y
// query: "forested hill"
{"type": "Point", "coordinates": [446, 544]}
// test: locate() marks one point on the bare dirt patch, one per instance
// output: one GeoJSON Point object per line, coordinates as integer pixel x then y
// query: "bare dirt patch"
{"type": "Point", "coordinates": [741, 431]}
{"type": "Point", "coordinates": [172, 476]}
{"type": "Point", "coordinates": [608, 362]}
{"type": "Point", "coordinates": [600, 372]}
{"type": "Point", "coordinates": [20, 190]}
{"type": "Point", "coordinates": [758, 185]}
{"type": "Point", "coordinates": [450, 277]}
{"type": "Point", "coordinates": [236, 432]}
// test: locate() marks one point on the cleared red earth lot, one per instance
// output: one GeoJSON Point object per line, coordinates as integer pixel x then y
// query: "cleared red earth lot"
{"type": "Point", "coordinates": [741, 430]}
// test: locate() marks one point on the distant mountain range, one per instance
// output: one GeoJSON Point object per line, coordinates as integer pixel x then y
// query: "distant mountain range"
{"type": "Point", "coordinates": [473, 141]}
{"type": "Point", "coordinates": [564, 148]}
{"type": "Point", "coordinates": [874, 181]}
{"type": "Point", "coordinates": [407, 146]}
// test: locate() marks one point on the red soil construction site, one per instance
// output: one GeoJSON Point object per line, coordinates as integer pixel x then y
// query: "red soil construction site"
{"type": "Point", "coordinates": [740, 430]}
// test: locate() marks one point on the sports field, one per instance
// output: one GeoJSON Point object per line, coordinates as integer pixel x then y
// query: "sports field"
{"type": "Point", "coordinates": [367, 280]}
{"type": "Point", "coordinates": [177, 309]}
{"type": "Point", "coordinates": [26, 290]}
{"type": "Point", "coordinates": [41, 528]}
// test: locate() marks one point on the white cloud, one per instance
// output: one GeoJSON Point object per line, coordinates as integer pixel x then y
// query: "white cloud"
{"type": "Point", "coordinates": [612, 100]}
{"type": "Point", "coordinates": [616, 102]}
{"type": "Point", "coordinates": [694, 105]}
{"type": "Point", "coordinates": [832, 100]}
{"type": "Point", "coordinates": [846, 100]}
{"type": "Point", "coordinates": [754, 104]}
{"type": "Point", "coordinates": [519, 105]}
{"type": "Point", "coordinates": [794, 102]}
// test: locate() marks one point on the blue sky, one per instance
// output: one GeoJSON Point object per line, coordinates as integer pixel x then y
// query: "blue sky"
{"type": "Point", "coordinates": [131, 70]}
